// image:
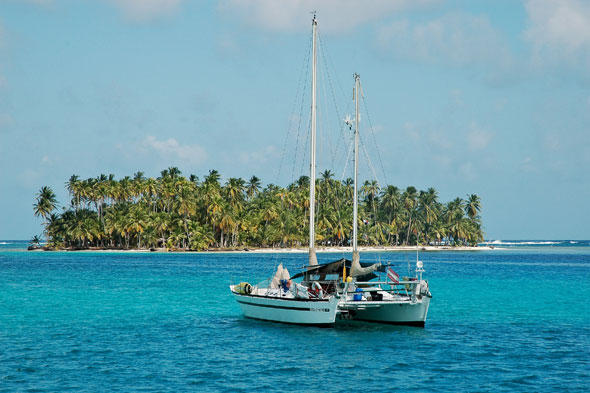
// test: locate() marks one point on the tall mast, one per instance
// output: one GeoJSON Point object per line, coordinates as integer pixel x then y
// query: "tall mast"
{"type": "Point", "coordinates": [312, 255]}
{"type": "Point", "coordinates": [357, 86]}
{"type": "Point", "coordinates": [355, 269]}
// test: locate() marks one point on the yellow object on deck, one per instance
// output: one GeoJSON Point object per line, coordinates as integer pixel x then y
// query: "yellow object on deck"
{"type": "Point", "coordinates": [243, 288]}
{"type": "Point", "coordinates": [344, 273]}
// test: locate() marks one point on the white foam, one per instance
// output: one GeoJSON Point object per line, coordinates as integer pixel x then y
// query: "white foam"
{"type": "Point", "coordinates": [517, 243]}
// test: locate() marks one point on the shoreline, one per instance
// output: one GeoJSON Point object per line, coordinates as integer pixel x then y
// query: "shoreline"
{"type": "Point", "coordinates": [298, 250]}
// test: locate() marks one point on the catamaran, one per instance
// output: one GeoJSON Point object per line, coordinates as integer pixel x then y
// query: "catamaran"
{"type": "Point", "coordinates": [325, 293]}
{"type": "Point", "coordinates": [363, 295]}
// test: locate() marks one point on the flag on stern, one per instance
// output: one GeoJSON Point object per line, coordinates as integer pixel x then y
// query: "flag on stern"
{"type": "Point", "coordinates": [392, 276]}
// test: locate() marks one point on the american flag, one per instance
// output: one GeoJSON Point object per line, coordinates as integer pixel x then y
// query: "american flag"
{"type": "Point", "coordinates": [392, 276]}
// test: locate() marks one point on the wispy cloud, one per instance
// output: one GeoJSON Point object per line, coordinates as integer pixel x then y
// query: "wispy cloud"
{"type": "Point", "coordinates": [467, 170]}
{"type": "Point", "coordinates": [559, 31]}
{"type": "Point", "coordinates": [528, 165]}
{"type": "Point", "coordinates": [478, 138]}
{"type": "Point", "coordinates": [43, 2]}
{"type": "Point", "coordinates": [46, 160]}
{"type": "Point", "coordinates": [136, 10]}
{"type": "Point", "coordinates": [457, 39]}
{"type": "Point", "coordinates": [144, 10]}
{"type": "Point", "coordinates": [265, 155]}
{"type": "Point", "coordinates": [294, 15]}
{"type": "Point", "coordinates": [171, 150]}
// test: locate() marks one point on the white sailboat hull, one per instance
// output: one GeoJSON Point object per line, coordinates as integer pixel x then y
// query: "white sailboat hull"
{"type": "Point", "coordinates": [397, 313]}
{"type": "Point", "coordinates": [295, 311]}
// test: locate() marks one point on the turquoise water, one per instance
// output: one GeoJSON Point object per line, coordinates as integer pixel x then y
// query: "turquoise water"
{"type": "Point", "coordinates": [502, 320]}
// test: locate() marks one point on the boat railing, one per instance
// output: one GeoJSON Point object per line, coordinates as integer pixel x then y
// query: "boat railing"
{"type": "Point", "coordinates": [402, 288]}
{"type": "Point", "coordinates": [411, 282]}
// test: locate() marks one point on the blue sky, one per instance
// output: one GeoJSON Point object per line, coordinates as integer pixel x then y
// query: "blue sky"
{"type": "Point", "coordinates": [486, 97]}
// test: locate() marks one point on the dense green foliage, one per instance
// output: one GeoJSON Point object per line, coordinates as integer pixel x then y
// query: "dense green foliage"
{"type": "Point", "coordinates": [179, 213]}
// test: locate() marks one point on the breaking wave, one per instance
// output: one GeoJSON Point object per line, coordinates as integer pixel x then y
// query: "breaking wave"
{"type": "Point", "coordinates": [534, 243]}
{"type": "Point", "coordinates": [518, 243]}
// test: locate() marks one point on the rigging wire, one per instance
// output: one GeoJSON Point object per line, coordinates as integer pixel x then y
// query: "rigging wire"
{"type": "Point", "coordinates": [305, 154]}
{"type": "Point", "coordinates": [300, 118]}
{"type": "Point", "coordinates": [369, 162]}
{"type": "Point", "coordinates": [325, 56]}
{"type": "Point", "coordinates": [348, 159]}
{"type": "Point", "coordinates": [372, 132]}
{"type": "Point", "coordinates": [290, 129]}
{"type": "Point", "coordinates": [300, 91]}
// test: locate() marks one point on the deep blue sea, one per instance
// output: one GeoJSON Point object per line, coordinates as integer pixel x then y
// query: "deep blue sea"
{"type": "Point", "coordinates": [513, 319]}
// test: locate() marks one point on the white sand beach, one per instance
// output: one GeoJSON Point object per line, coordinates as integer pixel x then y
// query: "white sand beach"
{"type": "Point", "coordinates": [300, 250]}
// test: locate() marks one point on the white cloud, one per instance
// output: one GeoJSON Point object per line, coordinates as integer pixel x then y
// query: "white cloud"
{"type": "Point", "coordinates": [333, 15]}
{"type": "Point", "coordinates": [552, 142]}
{"type": "Point", "coordinates": [558, 31]}
{"type": "Point", "coordinates": [456, 38]}
{"type": "Point", "coordinates": [142, 10]}
{"type": "Point", "coordinates": [171, 149]}
{"type": "Point", "coordinates": [527, 165]}
{"type": "Point", "coordinates": [412, 131]}
{"type": "Point", "coordinates": [467, 170]}
{"type": "Point", "coordinates": [268, 154]}
{"type": "Point", "coordinates": [440, 139]}
{"type": "Point", "coordinates": [42, 2]}
{"type": "Point", "coordinates": [478, 138]}
{"type": "Point", "coordinates": [442, 160]}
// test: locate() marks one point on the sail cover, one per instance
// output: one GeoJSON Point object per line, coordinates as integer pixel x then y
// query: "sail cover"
{"type": "Point", "coordinates": [357, 270]}
{"type": "Point", "coordinates": [336, 268]}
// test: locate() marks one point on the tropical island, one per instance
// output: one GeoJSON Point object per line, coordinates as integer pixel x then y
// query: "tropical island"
{"type": "Point", "coordinates": [176, 213]}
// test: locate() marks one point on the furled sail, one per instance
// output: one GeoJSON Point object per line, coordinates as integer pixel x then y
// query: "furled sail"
{"type": "Point", "coordinates": [281, 274]}
{"type": "Point", "coordinates": [357, 270]}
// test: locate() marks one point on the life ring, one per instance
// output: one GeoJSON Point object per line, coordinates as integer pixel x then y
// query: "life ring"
{"type": "Point", "coordinates": [316, 289]}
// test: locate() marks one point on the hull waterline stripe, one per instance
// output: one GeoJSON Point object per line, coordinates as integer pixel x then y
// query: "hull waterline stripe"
{"type": "Point", "coordinates": [319, 325]}
{"type": "Point", "coordinates": [284, 307]}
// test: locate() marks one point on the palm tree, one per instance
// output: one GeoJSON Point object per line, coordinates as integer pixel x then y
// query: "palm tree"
{"type": "Point", "coordinates": [45, 204]}
{"type": "Point", "coordinates": [187, 204]}
{"type": "Point", "coordinates": [253, 187]}
{"type": "Point", "coordinates": [137, 222]}
{"type": "Point", "coordinates": [73, 188]}
{"type": "Point", "coordinates": [427, 210]}
{"type": "Point", "coordinates": [455, 219]}
{"type": "Point", "coordinates": [472, 206]}
{"type": "Point", "coordinates": [235, 188]}
{"type": "Point", "coordinates": [213, 178]}
{"type": "Point", "coordinates": [35, 241]}
{"type": "Point", "coordinates": [370, 189]}
{"type": "Point", "coordinates": [174, 172]}
{"type": "Point", "coordinates": [409, 202]}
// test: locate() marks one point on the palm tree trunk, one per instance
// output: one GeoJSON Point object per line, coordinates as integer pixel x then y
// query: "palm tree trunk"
{"type": "Point", "coordinates": [408, 232]}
